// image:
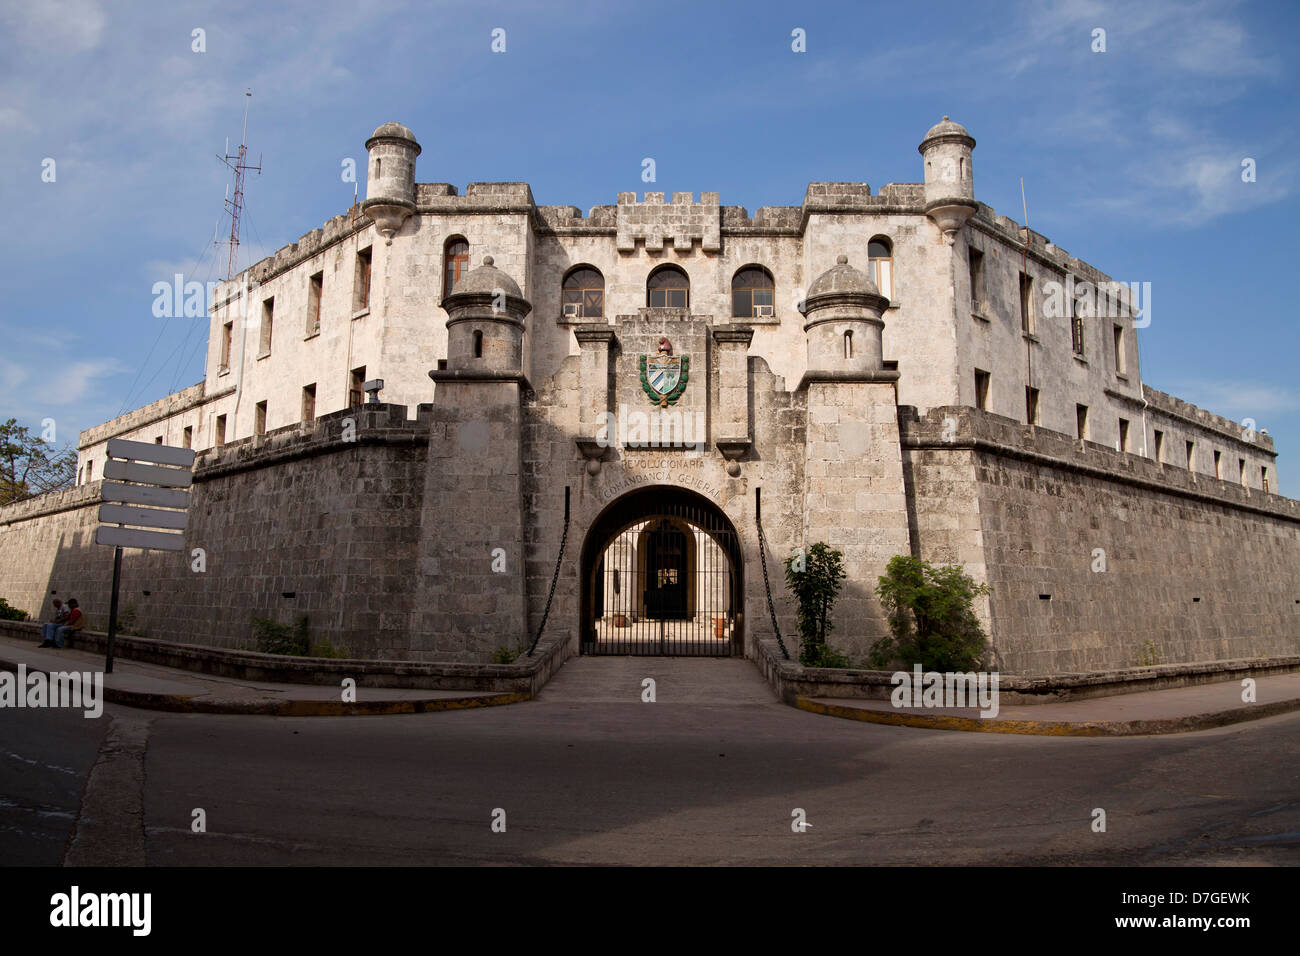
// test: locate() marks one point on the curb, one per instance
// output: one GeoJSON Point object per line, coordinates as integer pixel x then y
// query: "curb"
{"type": "Point", "coordinates": [196, 704]}
{"type": "Point", "coordinates": [1054, 728]}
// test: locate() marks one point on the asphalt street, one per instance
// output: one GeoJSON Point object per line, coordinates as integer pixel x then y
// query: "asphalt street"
{"type": "Point", "coordinates": [713, 771]}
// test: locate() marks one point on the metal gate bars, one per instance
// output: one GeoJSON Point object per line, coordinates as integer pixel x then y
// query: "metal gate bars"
{"type": "Point", "coordinates": [664, 579]}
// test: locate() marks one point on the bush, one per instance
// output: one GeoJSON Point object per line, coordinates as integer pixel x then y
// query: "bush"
{"type": "Point", "coordinates": [823, 655]}
{"type": "Point", "coordinates": [505, 655]}
{"type": "Point", "coordinates": [275, 638]}
{"type": "Point", "coordinates": [815, 580]}
{"type": "Point", "coordinates": [9, 613]}
{"type": "Point", "coordinates": [932, 619]}
{"type": "Point", "coordinates": [325, 648]}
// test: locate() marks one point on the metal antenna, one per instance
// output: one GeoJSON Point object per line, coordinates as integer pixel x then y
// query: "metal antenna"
{"type": "Point", "coordinates": [236, 206]}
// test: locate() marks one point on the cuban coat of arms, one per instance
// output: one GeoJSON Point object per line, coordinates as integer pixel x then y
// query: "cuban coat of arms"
{"type": "Point", "coordinates": [664, 375]}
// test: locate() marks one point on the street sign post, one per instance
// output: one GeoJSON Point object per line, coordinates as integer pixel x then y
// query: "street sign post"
{"type": "Point", "coordinates": [157, 477]}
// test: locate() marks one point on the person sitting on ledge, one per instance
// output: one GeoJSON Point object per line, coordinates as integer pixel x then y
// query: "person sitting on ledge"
{"type": "Point", "coordinates": [49, 628]}
{"type": "Point", "coordinates": [76, 622]}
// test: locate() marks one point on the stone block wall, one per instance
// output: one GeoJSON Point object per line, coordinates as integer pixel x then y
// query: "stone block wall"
{"type": "Point", "coordinates": [1103, 560]}
{"type": "Point", "coordinates": [304, 520]}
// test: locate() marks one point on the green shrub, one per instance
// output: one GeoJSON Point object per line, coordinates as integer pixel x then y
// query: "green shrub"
{"type": "Point", "coordinates": [815, 580]}
{"type": "Point", "coordinates": [274, 638]}
{"type": "Point", "coordinates": [505, 655]}
{"type": "Point", "coordinates": [823, 655]}
{"type": "Point", "coordinates": [932, 618]}
{"type": "Point", "coordinates": [325, 648]}
{"type": "Point", "coordinates": [9, 613]}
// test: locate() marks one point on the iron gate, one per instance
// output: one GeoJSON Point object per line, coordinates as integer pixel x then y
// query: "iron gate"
{"type": "Point", "coordinates": [663, 576]}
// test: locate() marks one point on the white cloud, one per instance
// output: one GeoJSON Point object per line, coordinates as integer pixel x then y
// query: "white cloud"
{"type": "Point", "coordinates": [58, 26]}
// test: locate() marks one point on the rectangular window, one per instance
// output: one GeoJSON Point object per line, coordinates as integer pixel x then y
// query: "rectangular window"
{"type": "Point", "coordinates": [1218, 465]}
{"type": "Point", "coordinates": [1191, 455]}
{"type": "Point", "coordinates": [220, 436]}
{"type": "Point", "coordinates": [1076, 328]}
{"type": "Point", "coordinates": [1123, 434]}
{"type": "Point", "coordinates": [187, 437]}
{"type": "Point", "coordinates": [976, 281]}
{"type": "Point", "coordinates": [268, 318]}
{"type": "Point", "coordinates": [981, 390]}
{"type": "Point", "coordinates": [1160, 446]}
{"type": "Point", "coordinates": [227, 336]}
{"type": "Point", "coordinates": [259, 419]}
{"type": "Point", "coordinates": [1031, 406]}
{"type": "Point", "coordinates": [1263, 478]}
{"type": "Point", "coordinates": [356, 395]}
{"type": "Point", "coordinates": [1026, 304]}
{"type": "Point", "coordinates": [314, 287]}
{"type": "Point", "coordinates": [90, 471]}
{"type": "Point", "coordinates": [1241, 464]}
{"type": "Point", "coordinates": [309, 402]}
{"type": "Point", "coordinates": [361, 288]}
{"type": "Point", "coordinates": [158, 440]}
{"type": "Point", "coordinates": [1081, 421]}
{"type": "Point", "coordinates": [1119, 349]}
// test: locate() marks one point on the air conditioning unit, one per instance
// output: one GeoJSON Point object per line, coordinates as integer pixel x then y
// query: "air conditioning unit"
{"type": "Point", "coordinates": [762, 312]}
{"type": "Point", "coordinates": [572, 310]}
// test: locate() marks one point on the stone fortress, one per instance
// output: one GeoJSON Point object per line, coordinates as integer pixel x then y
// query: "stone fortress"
{"type": "Point", "coordinates": [617, 401]}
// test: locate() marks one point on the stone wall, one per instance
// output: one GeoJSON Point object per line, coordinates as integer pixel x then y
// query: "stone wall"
{"type": "Point", "coordinates": [1102, 560]}
{"type": "Point", "coordinates": [318, 519]}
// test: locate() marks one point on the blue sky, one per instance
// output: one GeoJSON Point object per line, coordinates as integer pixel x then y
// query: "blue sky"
{"type": "Point", "coordinates": [1131, 158]}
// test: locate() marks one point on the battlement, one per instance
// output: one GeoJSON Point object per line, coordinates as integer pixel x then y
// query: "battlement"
{"type": "Point", "coordinates": [1195, 415]}
{"type": "Point", "coordinates": [1044, 250]}
{"type": "Point", "coordinates": [164, 407]}
{"type": "Point", "coordinates": [683, 221]}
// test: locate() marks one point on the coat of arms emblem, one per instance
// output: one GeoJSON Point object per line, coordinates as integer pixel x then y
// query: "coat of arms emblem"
{"type": "Point", "coordinates": [664, 375]}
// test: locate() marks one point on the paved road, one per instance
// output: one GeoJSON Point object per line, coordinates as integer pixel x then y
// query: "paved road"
{"type": "Point", "coordinates": [589, 773]}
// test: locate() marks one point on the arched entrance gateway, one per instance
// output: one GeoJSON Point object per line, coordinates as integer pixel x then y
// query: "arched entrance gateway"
{"type": "Point", "coordinates": [662, 574]}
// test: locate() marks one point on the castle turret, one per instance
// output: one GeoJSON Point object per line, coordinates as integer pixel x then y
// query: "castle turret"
{"type": "Point", "coordinates": [843, 309]}
{"type": "Point", "coordinates": [390, 180]}
{"type": "Point", "coordinates": [485, 328]}
{"type": "Point", "coordinates": [949, 176]}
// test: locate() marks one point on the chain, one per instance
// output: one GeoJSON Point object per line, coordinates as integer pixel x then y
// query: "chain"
{"type": "Point", "coordinates": [554, 578]}
{"type": "Point", "coordinates": [762, 555]}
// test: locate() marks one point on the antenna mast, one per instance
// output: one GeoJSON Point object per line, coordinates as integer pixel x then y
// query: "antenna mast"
{"type": "Point", "coordinates": [236, 205]}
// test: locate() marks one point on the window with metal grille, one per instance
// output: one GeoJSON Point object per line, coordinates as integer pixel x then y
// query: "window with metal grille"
{"type": "Point", "coordinates": [582, 295]}
{"type": "Point", "coordinates": [668, 288]}
{"type": "Point", "coordinates": [752, 293]}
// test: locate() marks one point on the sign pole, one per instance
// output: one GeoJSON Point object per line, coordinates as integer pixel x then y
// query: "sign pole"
{"type": "Point", "coordinates": [112, 609]}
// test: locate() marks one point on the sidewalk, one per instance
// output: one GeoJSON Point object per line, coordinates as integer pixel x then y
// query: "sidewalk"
{"type": "Point", "coordinates": [164, 688]}
{"type": "Point", "coordinates": [1169, 711]}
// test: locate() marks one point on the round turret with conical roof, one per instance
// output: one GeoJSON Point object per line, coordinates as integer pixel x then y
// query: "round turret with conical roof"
{"type": "Point", "coordinates": [485, 325]}
{"type": "Point", "coordinates": [844, 327]}
{"type": "Point", "coordinates": [949, 176]}
{"type": "Point", "coordinates": [390, 180]}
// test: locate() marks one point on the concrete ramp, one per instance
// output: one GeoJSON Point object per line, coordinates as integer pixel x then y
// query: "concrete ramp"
{"type": "Point", "coordinates": [678, 680]}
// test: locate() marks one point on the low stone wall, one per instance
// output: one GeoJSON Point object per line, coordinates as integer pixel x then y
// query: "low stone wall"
{"type": "Point", "coordinates": [526, 675]}
{"type": "Point", "coordinates": [792, 680]}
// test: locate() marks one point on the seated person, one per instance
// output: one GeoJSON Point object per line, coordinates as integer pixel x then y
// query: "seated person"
{"type": "Point", "coordinates": [49, 628]}
{"type": "Point", "coordinates": [76, 622]}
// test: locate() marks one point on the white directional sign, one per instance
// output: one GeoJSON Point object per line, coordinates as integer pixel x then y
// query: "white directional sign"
{"type": "Point", "coordinates": [144, 495]}
{"type": "Point", "coordinates": [136, 538]}
{"type": "Point", "coordinates": [158, 473]}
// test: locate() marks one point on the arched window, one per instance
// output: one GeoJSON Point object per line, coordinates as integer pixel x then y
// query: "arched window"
{"type": "Point", "coordinates": [583, 294]}
{"type": "Point", "coordinates": [668, 288]}
{"type": "Point", "coordinates": [848, 345]}
{"type": "Point", "coordinates": [752, 293]}
{"type": "Point", "coordinates": [456, 257]}
{"type": "Point", "coordinates": [478, 344]}
{"type": "Point", "coordinates": [880, 252]}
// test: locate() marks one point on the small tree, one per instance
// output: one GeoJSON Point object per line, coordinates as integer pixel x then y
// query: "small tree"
{"type": "Point", "coordinates": [815, 580]}
{"type": "Point", "coordinates": [932, 619]}
{"type": "Point", "coordinates": [30, 466]}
